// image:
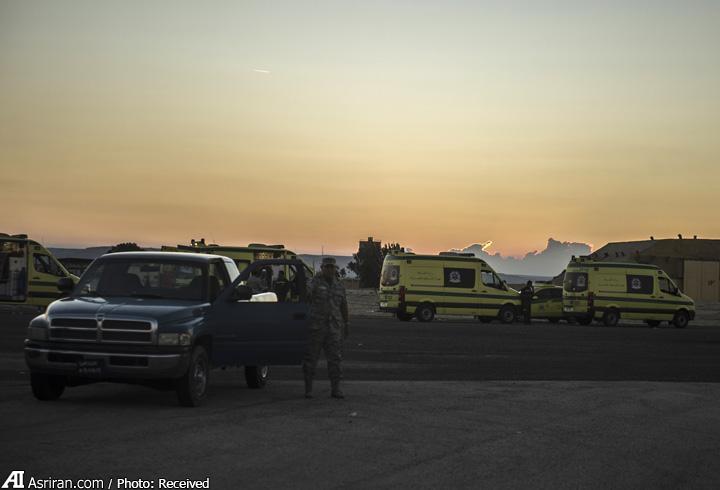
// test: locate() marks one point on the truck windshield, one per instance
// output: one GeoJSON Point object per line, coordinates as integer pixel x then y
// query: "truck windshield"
{"type": "Point", "coordinates": [144, 279]}
{"type": "Point", "coordinates": [576, 282]}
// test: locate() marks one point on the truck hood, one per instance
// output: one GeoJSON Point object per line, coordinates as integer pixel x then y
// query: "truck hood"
{"type": "Point", "coordinates": [162, 310]}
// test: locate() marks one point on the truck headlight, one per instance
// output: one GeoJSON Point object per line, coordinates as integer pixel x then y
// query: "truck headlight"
{"type": "Point", "coordinates": [174, 339]}
{"type": "Point", "coordinates": [37, 333]}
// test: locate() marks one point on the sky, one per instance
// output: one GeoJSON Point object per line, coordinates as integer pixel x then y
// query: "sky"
{"type": "Point", "coordinates": [316, 124]}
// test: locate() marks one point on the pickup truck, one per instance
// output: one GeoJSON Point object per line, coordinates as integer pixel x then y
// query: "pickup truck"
{"type": "Point", "coordinates": [164, 319]}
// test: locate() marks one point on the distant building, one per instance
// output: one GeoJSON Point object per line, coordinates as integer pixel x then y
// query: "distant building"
{"type": "Point", "coordinates": [694, 264]}
{"type": "Point", "coordinates": [369, 260]}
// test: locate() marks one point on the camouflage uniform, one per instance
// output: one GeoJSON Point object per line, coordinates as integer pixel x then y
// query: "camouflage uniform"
{"type": "Point", "coordinates": [328, 327]}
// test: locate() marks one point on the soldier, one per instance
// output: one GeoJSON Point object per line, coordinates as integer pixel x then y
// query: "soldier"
{"type": "Point", "coordinates": [282, 287]}
{"type": "Point", "coordinates": [328, 326]}
{"type": "Point", "coordinates": [526, 295]}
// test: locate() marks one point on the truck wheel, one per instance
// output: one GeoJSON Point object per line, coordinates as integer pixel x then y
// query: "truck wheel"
{"type": "Point", "coordinates": [425, 312]}
{"type": "Point", "coordinates": [256, 376]}
{"type": "Point", "coordinates": [193, 385]}
{"type": "Point", "coordinates": [47, 387]}
{"type": "Point", "coordinates": [611, 317]}
{"type": "Point", "coordinates": [507, 314]}
{"type": "Point", "coordinates": [403, 317]}
{"type": "Point", "coordinates": [653, 323]}
{"type": "Point", "coordinates": [681, 319]}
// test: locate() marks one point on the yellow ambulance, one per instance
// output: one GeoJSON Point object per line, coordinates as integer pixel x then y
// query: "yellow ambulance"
{"type": "Point", "coordinates": [450, 283]}
{"type": "Point", "coordinates": [611, 291]}
{"type": "Point", "coordinates": [547, 302]}
{"type": "Point", "coordinates": [242, 256]}
{"type": "Point", "coordinates": [28, 273]}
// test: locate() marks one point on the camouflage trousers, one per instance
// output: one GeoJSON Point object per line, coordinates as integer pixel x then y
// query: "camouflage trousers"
{"type": "Point", "coordinates": [329, 339]}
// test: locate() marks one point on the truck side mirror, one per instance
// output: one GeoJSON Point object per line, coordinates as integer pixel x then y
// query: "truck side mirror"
{"type": "Point", "coordinates": [241, 293]}
{"type": "Point", "coordinates": [65, 285]}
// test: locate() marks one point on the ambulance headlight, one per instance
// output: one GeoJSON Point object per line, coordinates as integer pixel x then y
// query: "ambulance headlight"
{"type": "Point", "coordinates": [174, 339]}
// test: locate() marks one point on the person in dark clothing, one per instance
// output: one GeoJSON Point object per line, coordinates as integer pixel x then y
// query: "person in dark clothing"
{"type": "Point", "coordinates": [282, 287]}
{"type": "Point", "coordinates": [526, 296]}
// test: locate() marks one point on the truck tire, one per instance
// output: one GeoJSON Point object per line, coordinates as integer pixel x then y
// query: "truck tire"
{"type": "Point", "coordinates": [507, 314]}
{"type": "Point", "coordinates": [611, 317]}
{"type": "Point", "coordinates": [681, 319]}
{"type": "Point", "coordinates": [192, 387]}
{"type": "Point", "coordinates": [256, 376]}
{"type": "Point", "coordinates": [403, 317]}
{"type": "Point", "coordinates": [425, 312]}
{"type": "Point", "coordinates": [47, 387]}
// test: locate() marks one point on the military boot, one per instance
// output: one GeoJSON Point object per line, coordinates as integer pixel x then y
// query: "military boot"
{"type": "Point", "coordinates": [308, 386]}
{"type": "Point", "coordinates": [336, 391]}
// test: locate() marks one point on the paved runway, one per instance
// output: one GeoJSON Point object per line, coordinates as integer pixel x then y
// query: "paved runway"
{"type": "Point", "coordinates": [446, 404]}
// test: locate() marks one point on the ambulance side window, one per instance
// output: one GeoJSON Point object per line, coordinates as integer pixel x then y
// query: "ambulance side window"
{"type": "Point", "coordinates": [666, 286]}
{"type": "Point", "coordinates": [459, 278]}
{"type": "Point", "coordinates": [45, 265]}
{"type": "Point", "coordinates": [491, 280]}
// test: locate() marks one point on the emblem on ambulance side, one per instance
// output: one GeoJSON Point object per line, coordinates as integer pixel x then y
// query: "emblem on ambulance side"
{"type": "Point", "coordinates": [454, 277]}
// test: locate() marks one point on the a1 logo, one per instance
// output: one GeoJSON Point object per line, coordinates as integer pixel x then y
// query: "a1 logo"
{"type": "Point", "coordinates": [16, 479]}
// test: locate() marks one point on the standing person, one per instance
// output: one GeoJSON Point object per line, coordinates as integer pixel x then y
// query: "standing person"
{"type": "Point", "coordinates": [526, 296]}
{"type": "Point", "coordinates": [328, 326]}
{"type": "Point", "coordinates": [255, 282]}
{"type": "Point", "coordinates": [282, 287]}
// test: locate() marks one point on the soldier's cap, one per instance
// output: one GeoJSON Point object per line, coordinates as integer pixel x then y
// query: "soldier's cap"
{"type": "Point", "coordinates": [328, 261]}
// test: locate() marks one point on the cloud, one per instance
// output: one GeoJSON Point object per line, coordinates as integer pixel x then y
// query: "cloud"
{"type": "Point", "coordinates": [258, 70]}
{"type": "Point", "coordinates": [548, 262]}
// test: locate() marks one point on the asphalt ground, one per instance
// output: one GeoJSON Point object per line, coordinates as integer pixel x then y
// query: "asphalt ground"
{"type": "Point", "coordinates": [445, 404]}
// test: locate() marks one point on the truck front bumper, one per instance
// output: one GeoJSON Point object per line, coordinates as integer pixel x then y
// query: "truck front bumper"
{"type": "Point", "coordinates": [97, 364]}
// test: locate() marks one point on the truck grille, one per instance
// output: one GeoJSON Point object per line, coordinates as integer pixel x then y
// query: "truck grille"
{"type": "Point", "coordinates": [107, 330]}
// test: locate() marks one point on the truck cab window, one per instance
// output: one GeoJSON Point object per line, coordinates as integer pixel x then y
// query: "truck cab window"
{"type": "Point", "coordinates": [217, 280]}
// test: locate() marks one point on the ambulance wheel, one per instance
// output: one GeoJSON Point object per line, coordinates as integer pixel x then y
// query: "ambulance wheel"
{"type": "Point", "coordinates": [653, 323]}
{"type": "Point", "coordinates": [681, 319]}
{"type": "Point", "coordinates": [507, 314]}
{"type": "Point", "coordinates": [611, 317]}
{"type": "Point", "coordinates": [47, 387]}
{"type": "Point", "coordinates": [425, 312]}
{"type": "Point", "coordinates": [403, 317]}
{"type": "Point", "coordinates": [256, 376]}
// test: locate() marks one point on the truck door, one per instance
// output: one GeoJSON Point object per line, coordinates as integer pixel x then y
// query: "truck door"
{"type": "Point", "coordinates": [255, 333]}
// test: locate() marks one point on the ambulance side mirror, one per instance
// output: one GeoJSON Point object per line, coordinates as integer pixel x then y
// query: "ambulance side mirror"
{"type": "Point", "coordinates": [65, 285]}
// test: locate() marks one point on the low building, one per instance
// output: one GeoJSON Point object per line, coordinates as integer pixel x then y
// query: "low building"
{"type": "Point", "coordinates": [694, 264]}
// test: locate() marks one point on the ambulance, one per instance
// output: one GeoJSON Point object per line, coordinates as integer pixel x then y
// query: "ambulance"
{"type": "Point", "coordinates": [450, 283]}
{"type": "Point", "coordinates": [29, 273]}
{"type": "Point", "coordinates": [244, 256]}
{"type": "Point", "coordinates": [547, 302]}
{"type": "Point", "coordinates": [610, 291]}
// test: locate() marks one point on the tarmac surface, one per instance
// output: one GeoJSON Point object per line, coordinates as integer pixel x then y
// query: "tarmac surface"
{"type": "Point", "coordinates": [455, 404]}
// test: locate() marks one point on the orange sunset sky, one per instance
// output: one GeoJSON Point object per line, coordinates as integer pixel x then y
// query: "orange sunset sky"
{"type": "Point", "coordinates": [435, 124]}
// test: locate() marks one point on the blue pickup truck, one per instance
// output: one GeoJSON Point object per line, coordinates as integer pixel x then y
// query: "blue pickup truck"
{"type": "Point", "coordinates": [164, 319]}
